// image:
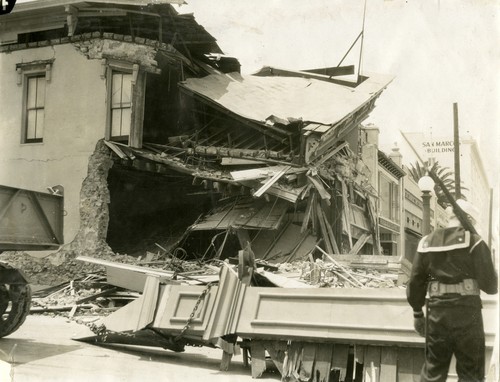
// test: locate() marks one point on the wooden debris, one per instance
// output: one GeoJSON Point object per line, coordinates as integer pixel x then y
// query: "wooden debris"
{"type": "Point", "coordinates": [324, 231]}
{"type": "Point", "coordinates": [359, 244]}
{"type": "Point", "coordinates": [271, 181]}
{"type": "Point", "coordinates": [343, 269]}
{"type": "Point", "coordinates": [323, 362]}
{"type": "Point", "coordinates": [308, 213]}
{"type": "Point", "coordinates": [116, 150]}
{"type": "Point", "coordinates": [340, 359]}
{"type": "Point", "coordinates": [282, 281]}
{"type": "Point", "coordinates": [333, 274]}
{"type": "Point", "coordinates": [316, 182]}
{"type": "Point", "coordinates": [372, 364]}
{"type": "Point", "coordinates": [65, 308]}
{"type": "Point", "coordinates": [346, 211]}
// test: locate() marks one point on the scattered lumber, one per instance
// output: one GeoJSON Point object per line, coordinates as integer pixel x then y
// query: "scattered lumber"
{"type": "Point", "coordinates": [333, 274]}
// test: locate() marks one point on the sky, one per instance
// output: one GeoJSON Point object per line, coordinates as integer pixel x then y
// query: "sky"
{"type": "Point", "coordinates": [439, 51]}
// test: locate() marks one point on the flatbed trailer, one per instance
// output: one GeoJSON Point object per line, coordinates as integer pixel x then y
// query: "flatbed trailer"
{"type": "Point", "coordinates": [29, 221]}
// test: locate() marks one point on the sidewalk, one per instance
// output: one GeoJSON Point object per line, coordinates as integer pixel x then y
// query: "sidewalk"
{"type": "Point", "coordinates": [42, 350]}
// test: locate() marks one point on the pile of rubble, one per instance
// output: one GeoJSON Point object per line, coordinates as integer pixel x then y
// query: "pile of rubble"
{"type": "Point", "coordinates": [90, 295]}
{"type": "Point", "coordinates": [57, 268]}
{"type": "Point", "coordinates": [334, 275]}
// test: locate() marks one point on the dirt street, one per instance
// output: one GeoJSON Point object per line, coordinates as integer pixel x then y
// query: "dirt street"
{"type": "Point", "coordinates": [42, 350]}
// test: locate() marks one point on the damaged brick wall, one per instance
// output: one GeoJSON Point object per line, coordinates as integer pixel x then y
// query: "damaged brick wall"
{"type": "Point", "coordinates": [118, 50]}
{"type": "Point", "coordinates": [94, 212]}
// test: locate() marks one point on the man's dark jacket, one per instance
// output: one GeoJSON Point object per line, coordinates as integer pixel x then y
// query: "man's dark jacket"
{"type": "Point", "coordinates": [450, 255]}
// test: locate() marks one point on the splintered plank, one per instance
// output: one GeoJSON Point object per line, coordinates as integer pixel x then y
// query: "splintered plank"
{"type": "Point", "coordinates": [324, 232]}
{"type": "Point", "coordinates": [308, 356]}
{"type": "Point", "coordinates": [359, 358]}
{"type": "Point", "coordinates": [116, 150]}
{"type": "Point", "coordinates": [256, 173]}
{"type": "Point", "coordinates": [258, 358]}
{"type": "Point", "coordinates": [372, 364]}
{"type": "Point", "coordinates": [346, 210]}
{"type": "Point", "coordinates": [271, 181]}
{"type": "Point", "coordinates": [292, 367]}
{"type": "Point", "coordinates": [329, 229]}
{"type": "Point", "coordinates": [388, 364]}
{"type": "Point", "coordinates": [323, 362]}
{"type": "Point", "coordinates": [325, 195]}
{"type": "Point", "coordinates": [359, 244]}
{"type": "Point", "coordinates": [307, 215]}
{"type": "Point", "coordinates": [340, 359]}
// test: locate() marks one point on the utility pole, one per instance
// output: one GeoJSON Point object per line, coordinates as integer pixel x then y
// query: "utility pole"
{"type": "Point", "coordinates": [456, 150]}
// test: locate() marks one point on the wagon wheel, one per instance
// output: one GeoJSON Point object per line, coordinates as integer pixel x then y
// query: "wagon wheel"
{"type": "Point", "coordinates": [15, 302]}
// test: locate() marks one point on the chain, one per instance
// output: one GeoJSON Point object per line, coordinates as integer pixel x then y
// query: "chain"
{"type": "Point", "coordinates": [191, 316]}
{"type": "Point", "coordinates": [99, 330]}
{"type": "Point", "coordinates": [102, 332]}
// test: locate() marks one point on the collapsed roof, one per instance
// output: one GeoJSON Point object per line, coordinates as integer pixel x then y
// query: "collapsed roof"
{"type": "Point", "coordinates": [281, 100]}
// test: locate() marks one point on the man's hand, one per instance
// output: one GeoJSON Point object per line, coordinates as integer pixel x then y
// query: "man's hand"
{"type": "Point", "coordinates": [419, 325]}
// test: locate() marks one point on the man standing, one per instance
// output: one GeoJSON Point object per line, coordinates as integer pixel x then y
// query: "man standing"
{"type": "Point", "coordinates": [452, 265]}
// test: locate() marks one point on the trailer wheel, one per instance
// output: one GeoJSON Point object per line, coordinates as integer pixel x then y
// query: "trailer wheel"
{"type": "Point", "coordinates": [15, 303]}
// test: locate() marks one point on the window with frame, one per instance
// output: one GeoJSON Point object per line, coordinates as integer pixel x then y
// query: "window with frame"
{"type": "Point", "coordinates": [34, 111]}
{"type": "Point", "coordinates": [33, 77]}
{"type": "Point", "coordinates": [126, 86]}
{"type": "Point", "coordinates": [120, 105]}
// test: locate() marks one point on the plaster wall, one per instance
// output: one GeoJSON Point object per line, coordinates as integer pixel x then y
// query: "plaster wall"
{"type": "Point", "coordinates": [75, 115]}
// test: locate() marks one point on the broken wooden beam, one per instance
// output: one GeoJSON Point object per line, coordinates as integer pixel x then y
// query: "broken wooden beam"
{"type": "Point", "coordinates": [324, 231]}
{"type": "Point", "coordinates": [263, 172]}
{"type": "Point", "coordinates": [359, 244]}
{"type": "Point", "coordinates": [65, 308]}
{"type": "Point", "coordinates": [316, 182]}
{"type": "Point", "coordinates": [116, 150]}
{"type": "Point", "coordinates": [307, 214]}
{"type": "Point", "coordinates": [331, 236]}
{"type": "Point", "coordinates": [96, 295]}
{"type": "Point", "coordinates": [271, 181]}
{"type": "Point", "coordinates": [346, 211]}
{"type": "Point", "coordinates": [238, 153]}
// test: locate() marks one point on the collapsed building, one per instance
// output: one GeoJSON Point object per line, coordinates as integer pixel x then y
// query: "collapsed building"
{"type": "Point", "coordinates": [157, 140]}
{"type": "Point", "coordinates": [187, 151]}
{"type": "Point", "coordinates": [285, 181]}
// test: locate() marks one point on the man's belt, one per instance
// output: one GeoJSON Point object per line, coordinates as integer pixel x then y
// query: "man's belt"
{"type": "Point", "coordinates": [467, 287]}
